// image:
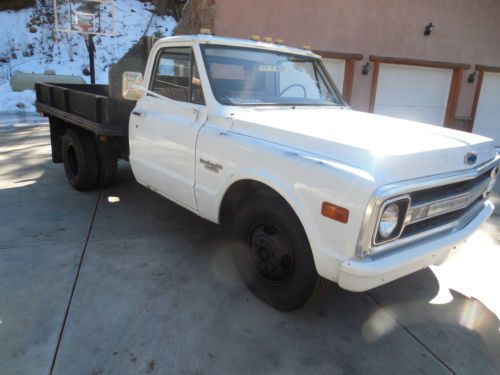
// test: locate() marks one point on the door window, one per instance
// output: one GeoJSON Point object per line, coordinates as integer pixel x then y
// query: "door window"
{"type": "Point", "coordinates": [176, 76]}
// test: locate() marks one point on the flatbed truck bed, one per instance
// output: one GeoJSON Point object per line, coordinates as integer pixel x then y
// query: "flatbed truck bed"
{"type": "Point", "coordinates": [85, 118]}
{"type": "Point", "coordinates": [87, 106]}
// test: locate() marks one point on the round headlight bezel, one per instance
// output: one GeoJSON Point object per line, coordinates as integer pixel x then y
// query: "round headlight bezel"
{"type": "Point", "coordinates": [403, 204]}
{"type": "Point", "coordinates": [388, 221]}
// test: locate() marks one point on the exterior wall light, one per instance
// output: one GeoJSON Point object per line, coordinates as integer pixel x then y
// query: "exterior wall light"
{"type": "Point", "coordinates": [366, 69]}
{"type": "Point", "coordinates": [472, 77]}
{"type": "Point", "coordinates": [428, 29]}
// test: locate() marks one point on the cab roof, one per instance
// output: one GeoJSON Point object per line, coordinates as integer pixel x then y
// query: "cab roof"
{"type": "Point", "coordinates": [218, 40]}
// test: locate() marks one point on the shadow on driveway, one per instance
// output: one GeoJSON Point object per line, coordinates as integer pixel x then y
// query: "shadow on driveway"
{"type": "Point", "coordinates": [157, 293]}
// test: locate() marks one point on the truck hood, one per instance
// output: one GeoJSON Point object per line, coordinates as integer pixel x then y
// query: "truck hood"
{"type": "Point", "coordinates": [388, 148]}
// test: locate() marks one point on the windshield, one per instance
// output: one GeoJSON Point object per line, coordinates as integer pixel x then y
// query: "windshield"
{"type": "Point", "coordinates": [245, 76]}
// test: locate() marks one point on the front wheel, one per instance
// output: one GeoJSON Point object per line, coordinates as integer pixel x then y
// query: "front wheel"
{"type": "Point", "coordinates": [273, 255]}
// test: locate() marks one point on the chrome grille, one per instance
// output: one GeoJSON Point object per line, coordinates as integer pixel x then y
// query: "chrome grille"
{"type": "Point", "coordinates": [437, 221]}
{"type": "Point", "coordinates": [443, 205]}
{"type": "Point", "coordinates": [440, 201]}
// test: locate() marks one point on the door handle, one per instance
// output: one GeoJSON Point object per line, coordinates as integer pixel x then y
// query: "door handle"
{"type": "Point", "coordinates": [140, 114]}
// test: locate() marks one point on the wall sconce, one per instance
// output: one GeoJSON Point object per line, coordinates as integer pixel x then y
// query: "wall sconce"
{"type": "Point", "coordinates": [472, 77]}
{"type": "Point", "coordinates": [428, 29]}
{"type": "Point", "coordinates": [366, 69]}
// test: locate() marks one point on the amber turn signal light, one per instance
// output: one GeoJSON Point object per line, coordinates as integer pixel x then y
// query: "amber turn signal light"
{"type": "Point", "coordinates": [334, 212]}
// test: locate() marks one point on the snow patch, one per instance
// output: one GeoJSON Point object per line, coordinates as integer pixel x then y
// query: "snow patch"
{"type": "Point", "coordinates": [66, 53]}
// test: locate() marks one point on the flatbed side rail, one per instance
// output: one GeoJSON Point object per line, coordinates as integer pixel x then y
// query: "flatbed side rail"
{"type": "Point", "coordinates": [94, 127]}
{"type": "Point", "coordinates": [86, 106]}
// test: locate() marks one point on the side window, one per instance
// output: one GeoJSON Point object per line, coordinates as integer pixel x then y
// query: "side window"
{"type": "Point", "coordinates": [171, 75]}
{"type": "Point", "coordinates": [174, 77]}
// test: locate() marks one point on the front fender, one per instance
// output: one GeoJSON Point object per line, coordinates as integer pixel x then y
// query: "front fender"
{"type": "Point", "coordinates": [303, 180]}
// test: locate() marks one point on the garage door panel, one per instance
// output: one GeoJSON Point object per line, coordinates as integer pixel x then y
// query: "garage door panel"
{"type": "Point", "coordinates": [336, 69]}
{"type": "Point", "coordinates": [490, 93]}
{"type": "Point", "coordinates": [414, 98]}
{"type": "Point", "coordinates": [413, 93]}
{"type": "Point", "coordinates": [487, 121]}
{"type": "Point", "coordinates": [418, 97]}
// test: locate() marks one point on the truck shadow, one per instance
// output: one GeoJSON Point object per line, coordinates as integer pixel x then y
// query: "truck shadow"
{"type": "Point", "coordinates": [393, 320]}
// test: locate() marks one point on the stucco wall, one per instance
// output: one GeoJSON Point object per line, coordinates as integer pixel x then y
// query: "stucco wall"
{"type": "Point", "coordinates": [466, 31]}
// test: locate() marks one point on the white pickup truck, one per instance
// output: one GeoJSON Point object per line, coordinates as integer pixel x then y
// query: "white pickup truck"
{"type": "Point", "coordinates": [256, 137]}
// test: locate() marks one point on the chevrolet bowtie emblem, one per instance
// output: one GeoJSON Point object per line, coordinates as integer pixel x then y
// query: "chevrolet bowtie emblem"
{"type": "Point", "coordinates": [470, 158]}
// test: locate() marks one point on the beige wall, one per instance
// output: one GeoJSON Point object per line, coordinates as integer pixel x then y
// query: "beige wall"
{"type": "Point", "coordinates": [466, 31]}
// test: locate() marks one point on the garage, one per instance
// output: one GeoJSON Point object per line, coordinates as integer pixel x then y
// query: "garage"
{"type": "Point", "coordinates": [412, 92]}
{"type": "Point", "coordinates": [487, 117]}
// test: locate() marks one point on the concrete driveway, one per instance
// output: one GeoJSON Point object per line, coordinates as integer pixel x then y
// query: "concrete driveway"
{"type": "Point", "coordinates": [121, 281]}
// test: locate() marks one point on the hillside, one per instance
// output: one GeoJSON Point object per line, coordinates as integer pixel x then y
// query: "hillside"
{"type": "Point", "coordinates": [28, 43]}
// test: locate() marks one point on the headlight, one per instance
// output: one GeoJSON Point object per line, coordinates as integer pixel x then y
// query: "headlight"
{"type": "Point", "coordinates": [391, 219]}
{"type": "Point", "coordinates": [388, 221]}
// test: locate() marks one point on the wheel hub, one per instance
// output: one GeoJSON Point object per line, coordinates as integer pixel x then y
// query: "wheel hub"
{"type": "Point", "coordinates": [270, 253]}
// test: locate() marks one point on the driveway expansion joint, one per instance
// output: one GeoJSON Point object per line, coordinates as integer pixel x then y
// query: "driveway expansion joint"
{"type": "Point", "coordinates": [75, 281]}
{"type": "Point", "coordinates": [407, 330]}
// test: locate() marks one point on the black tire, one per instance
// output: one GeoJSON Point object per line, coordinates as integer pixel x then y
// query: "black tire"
{"type": "Point", "coordinates": [273, 255]}
{"type": "Point", "coordinates": [107, 164]}
{"type": "Point", "coordinates": [80, 160]}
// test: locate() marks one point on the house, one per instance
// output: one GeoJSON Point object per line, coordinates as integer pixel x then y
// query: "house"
{"type": "Point", "coordinates": [425, 60]}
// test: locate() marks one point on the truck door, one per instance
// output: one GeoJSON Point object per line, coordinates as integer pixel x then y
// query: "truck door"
{"type": "Point", "coordinates": [163, 132]}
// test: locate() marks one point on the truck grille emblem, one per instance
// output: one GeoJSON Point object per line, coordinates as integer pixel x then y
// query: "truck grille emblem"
{"type": "Point", "coordinates": [471, 158]}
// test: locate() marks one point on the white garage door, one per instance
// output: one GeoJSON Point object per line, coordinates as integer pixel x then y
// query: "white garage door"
{"type": "Point", "coordinates": [336, 69]}
{"type": "Point", "coordinates": [413, 92]}
{"type": "Point", "coordinates": [487, 121]}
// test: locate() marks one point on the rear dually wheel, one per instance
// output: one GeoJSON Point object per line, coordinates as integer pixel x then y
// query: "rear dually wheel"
{"type": "Point", "coordinates": [80, 159]}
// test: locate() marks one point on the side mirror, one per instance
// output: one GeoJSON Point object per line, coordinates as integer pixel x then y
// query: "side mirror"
{"type": "Point", "coordinates": [132, 85]}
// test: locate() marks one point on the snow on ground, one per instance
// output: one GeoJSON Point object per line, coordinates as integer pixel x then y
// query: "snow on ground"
{"type": "Point", "coordinates": [20, 101]}
{"type": "Point", "coordinates": [66, 53]}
